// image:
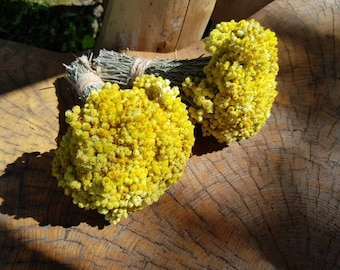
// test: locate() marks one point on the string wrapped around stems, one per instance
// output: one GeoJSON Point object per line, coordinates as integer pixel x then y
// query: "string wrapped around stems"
{"type": "Point", "coordinates": [87, 74]}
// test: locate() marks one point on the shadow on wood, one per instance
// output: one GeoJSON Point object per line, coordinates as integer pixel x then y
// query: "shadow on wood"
{"type": "Point", "coordinates": [23, 65]}
{"type": "Point", "coordinates": [29, 191]}
{"type": "Point", "coordinates": [11, 240]}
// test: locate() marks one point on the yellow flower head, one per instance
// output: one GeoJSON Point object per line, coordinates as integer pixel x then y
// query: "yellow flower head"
{"type": "Point", "coordinates": [234, 100]}
{"type": "Point", "coordinates": [124, 148]}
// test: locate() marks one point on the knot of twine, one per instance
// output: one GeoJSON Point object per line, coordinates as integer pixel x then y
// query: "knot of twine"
{"type": "Point", "coordinates": [87, 81]}
{"type": "Point", "coordinates": [91, 78]}
{"type": "Point", "coordinates": [138, 68]}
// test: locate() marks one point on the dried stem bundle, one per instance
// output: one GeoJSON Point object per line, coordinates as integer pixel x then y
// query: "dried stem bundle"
{"type": "Point", "coordinates": [114, 67]}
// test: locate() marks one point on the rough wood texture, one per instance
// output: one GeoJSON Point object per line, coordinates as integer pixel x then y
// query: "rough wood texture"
{"type": "Point", "coordinates": [153, 25]}
{"type": "Point", "coordinates": [270, 202]}
{"type": "Point", "coordinates": [226, 10]}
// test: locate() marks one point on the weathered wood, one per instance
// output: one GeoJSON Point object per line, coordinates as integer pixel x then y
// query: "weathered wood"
{"type": "Point", "coordinates": [226, 10]}
{"type": "Point", "coordinates": [270, 202]}
{"type": "Point", "coordinates": [156, 26]}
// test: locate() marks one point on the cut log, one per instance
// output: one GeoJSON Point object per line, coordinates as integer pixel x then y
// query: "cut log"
{"type": "Point", "coordinates": [269, 202]}
{"type": "Point", "coordinates": [155, 26]}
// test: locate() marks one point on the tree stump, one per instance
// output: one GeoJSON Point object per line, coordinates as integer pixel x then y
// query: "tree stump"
{"type": "Point", "coordinates": [153, 25]}
{"type": "Point", "coordinates": [269, 202]}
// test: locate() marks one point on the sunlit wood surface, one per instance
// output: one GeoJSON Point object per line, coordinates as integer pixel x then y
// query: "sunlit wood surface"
{"type": "Point", "coordinates": [270, 202]}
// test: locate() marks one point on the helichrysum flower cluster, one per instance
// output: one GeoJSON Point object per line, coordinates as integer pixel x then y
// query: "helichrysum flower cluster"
{"type": "Point", "coordinates": [234, 99]}
{"type": "Point", "coordinates": [124, 148]}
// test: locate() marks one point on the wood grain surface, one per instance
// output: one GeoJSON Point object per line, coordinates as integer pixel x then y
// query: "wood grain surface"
{"type": "Point", "coordinates": [226, 10]}
{"type": "Point", "coordinates": [157, 26]}
{"type": "Point", "coordinates": [269, 202]}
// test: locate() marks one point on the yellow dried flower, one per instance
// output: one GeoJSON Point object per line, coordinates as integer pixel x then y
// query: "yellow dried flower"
{"type": "Point", "coordinates": [124, 148]}
{"type": "Point", "coordinates": [234, 99]}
